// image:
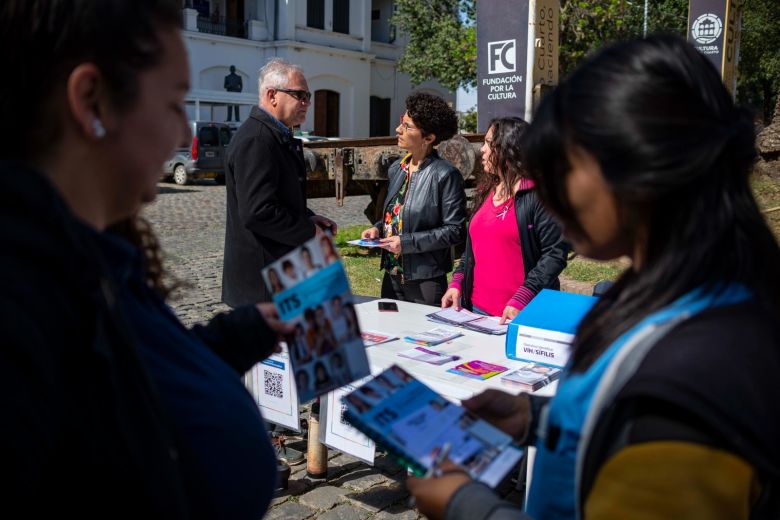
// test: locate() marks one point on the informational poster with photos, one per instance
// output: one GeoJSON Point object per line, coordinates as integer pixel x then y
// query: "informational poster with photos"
{"type": "Point", "coordinates": [336, 432]}
{"type": "Point", "coordinates": [271, 384]}
{"type": "Point", "coordinates": [414, 424]}
{"type": "Point", "coordinates": [311, 292]}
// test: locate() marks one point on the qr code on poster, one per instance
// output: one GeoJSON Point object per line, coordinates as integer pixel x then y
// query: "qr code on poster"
{"type": "Point", "coordinates": [273, 384]}
{"type": "Point", "coordinates": [342, 419]}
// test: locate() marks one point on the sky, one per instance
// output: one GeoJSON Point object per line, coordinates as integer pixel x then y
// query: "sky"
{"type": "Point", "coordinates": [466, 99]}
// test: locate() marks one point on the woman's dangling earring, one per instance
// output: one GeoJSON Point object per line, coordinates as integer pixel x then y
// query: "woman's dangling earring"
{"type": "Point", "coordinates": [98, 128]}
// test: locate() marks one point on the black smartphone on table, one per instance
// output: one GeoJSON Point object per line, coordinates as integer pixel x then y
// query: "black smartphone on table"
{"type": "Point", "coordinates": [388, 307]}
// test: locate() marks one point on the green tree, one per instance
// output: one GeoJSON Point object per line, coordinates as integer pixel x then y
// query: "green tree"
{"type": "Point", "coordinates": [442, 41]}
{"type": "Point", "coordinates": [758, 81]}
{"type": "Point", "coordinates": [468, 121]}
{"type": "Point", "coordinates": [588, 25]}
{"type": "Point", "coordinates": [443, 46]}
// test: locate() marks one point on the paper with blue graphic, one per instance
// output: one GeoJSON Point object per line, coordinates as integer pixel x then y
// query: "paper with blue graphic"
{"type": "Point", "coordinates": [311, 292]}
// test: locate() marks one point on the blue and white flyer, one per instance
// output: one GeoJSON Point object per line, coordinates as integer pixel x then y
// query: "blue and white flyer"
{"type": "Point", "coordinates": [311, 292]}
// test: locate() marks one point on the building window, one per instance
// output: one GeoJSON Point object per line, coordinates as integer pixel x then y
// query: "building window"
{"type": "Point", "coordinates": [379, 118]}
{"type": "Point", "coordinates": [326, 113]}
{"type": "Point", "coordinates": [315, 13]}
{"type": "Point", "coordinates": [341, 16]}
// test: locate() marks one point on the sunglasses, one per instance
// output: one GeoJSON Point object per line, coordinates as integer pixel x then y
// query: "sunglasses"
{"type": "Point", "coordinates": [406, 126]}
{"type": "Point", "coordinates": [300, 95]}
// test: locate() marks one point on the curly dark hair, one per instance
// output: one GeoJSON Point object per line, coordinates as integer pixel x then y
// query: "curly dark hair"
{"type": "Point", "coordinates": [505, 159]}
{"type": "Point", "coordinates": [138, 231]}
{"type": "Point", "coordinates": [432, 115]}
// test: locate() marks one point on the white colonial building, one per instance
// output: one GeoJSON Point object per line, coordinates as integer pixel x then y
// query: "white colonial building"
{"type": "Point", "coordinates": [347, 48]}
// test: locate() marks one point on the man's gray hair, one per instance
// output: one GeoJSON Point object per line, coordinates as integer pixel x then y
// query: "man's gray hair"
{"type": "Point", "coordinates": [275, 74]}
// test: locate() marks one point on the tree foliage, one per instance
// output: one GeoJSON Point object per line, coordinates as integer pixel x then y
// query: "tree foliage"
{"type": "Point", "coordinates": [587, 25]}
{"type": "Point", "coordinates": [758, 82]}
{"type": "Point", "coordinates": [468, 121]}
{"type": "Point", "coordinates": [442, 43]}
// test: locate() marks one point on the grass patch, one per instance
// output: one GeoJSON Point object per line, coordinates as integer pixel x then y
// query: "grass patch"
{"type": "Point", "coordinates": [767, 193]}
{"type": "Point", "coordinates": [361, 264]}
{"type": "Point", "coordinates": [591, 271]}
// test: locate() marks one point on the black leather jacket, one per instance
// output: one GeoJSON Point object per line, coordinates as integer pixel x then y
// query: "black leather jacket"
{"type": "Point", "coordinates": [434, 217]}
{"type": "Point", "coordinates": [543, 248]}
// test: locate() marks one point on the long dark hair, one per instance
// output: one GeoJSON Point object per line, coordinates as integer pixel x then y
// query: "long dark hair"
{"type": "Point", "coordinates": [676, 153]}
{"type": "Point", "coordinates": [138, 231]}
{"type": "Point", "coordinates": [505, 159]}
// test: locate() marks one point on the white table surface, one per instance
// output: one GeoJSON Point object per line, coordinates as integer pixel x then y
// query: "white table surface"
{"type": "Point", "coordinates": [471, 346]}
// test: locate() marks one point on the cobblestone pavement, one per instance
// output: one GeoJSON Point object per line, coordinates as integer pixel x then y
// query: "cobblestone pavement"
{"type": "Point", "coordinates": [190, 223]}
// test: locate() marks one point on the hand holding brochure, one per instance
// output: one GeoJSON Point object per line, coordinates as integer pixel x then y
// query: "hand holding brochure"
{"type": "Point", "coordinates": [469, 320]}
{"type": "Point", "coordinates": [311, 292]}
{"type": "Point", "coordinates": [365, 243]}
{"type": "Point", "coordinates": [414, 423]}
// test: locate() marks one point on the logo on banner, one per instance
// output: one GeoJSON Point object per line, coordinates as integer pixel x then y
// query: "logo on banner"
{"type": "Point", "coordinates": [502, 56]}
{"type": "Point", "coordinates": [707, 28]}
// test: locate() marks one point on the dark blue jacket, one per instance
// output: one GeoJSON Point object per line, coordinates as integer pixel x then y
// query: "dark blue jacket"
{"type": "Point", "coordinates": [84, 430]}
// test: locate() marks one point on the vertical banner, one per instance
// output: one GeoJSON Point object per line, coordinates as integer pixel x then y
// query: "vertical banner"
{"type": "Point", "coordinates": [502, 59]}
{"type": "Point", "coordinates": [546, 23]}
{"type": "Point", "coordinates": [544, 27]}
{"type": "Point", "coordinates": [713, 29]}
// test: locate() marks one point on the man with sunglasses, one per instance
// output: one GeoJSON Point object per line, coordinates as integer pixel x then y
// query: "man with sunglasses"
{"type": "Point", "coordinates": [265, 178]}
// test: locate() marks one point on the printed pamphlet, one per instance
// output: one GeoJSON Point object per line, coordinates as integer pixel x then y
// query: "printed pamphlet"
{"type": "Point", "coordinates": [373, 337]}
{"type": "Point", "coordinates": [432, 337]}
{"type": "Point", "coordinates": [469, 320]}
{"type": "Point", "coordinates": [365, 243]}
{"type": "Point", "coordinates": [477, 369]}
{"type": "Point", "coordinates": [531, 376]}
{"type": "Point", "coordinates": [428, 356]}
{"type": "Point", "coordinates": [311, 292]}
{"type": "Point", "coordinates": [414, 423]}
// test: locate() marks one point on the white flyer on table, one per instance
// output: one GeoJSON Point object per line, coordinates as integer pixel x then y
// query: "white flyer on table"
{"type": "Point", "coordinates": [335, 431]}
{"type": "Point", "coordinates": [270, 383]}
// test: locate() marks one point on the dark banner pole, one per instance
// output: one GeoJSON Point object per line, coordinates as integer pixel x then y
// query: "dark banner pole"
{"type": "Point", "coordinates": [502, 59]}
{"type": "Point", "coordinates": [713, 28]}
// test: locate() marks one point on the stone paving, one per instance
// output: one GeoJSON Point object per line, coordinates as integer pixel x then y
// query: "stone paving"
{"type": "Point", "coordinates": [190, 223]}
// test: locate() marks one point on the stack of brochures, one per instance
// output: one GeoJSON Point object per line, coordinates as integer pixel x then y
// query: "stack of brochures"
{"type": "Point", "coordinates": [432, 337]}
{"type": "Point", "coordinates": [469, 320]}
{"type": "Point", "coordinates": [531, 376]}
{"type": "Point", "coordinates": [414, 424]}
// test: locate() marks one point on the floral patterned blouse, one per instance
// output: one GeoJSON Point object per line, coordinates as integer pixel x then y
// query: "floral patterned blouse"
{"type": "Point", "coordinates": [394, 223]}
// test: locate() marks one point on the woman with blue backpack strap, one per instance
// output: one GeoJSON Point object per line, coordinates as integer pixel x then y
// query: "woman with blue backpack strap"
{"type": "Point", "coordinates": [668, 406]}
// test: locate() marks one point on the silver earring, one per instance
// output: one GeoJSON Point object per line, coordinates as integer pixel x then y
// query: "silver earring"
{"type": "Point", "coordinates": [98, 128]}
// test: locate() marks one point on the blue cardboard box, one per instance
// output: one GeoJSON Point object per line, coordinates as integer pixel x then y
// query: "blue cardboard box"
{"type": "Point", "coordinates": [544, 330]}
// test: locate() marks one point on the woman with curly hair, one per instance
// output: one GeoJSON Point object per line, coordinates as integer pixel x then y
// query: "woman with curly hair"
{"type": "Point", "coordinates": [514, 247]}
{"type": "Point", "coordinates": [425, 210]}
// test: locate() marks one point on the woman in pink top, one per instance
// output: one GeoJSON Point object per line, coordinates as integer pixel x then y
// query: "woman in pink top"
{"type": "Point", "coordinates": [514, 247]}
